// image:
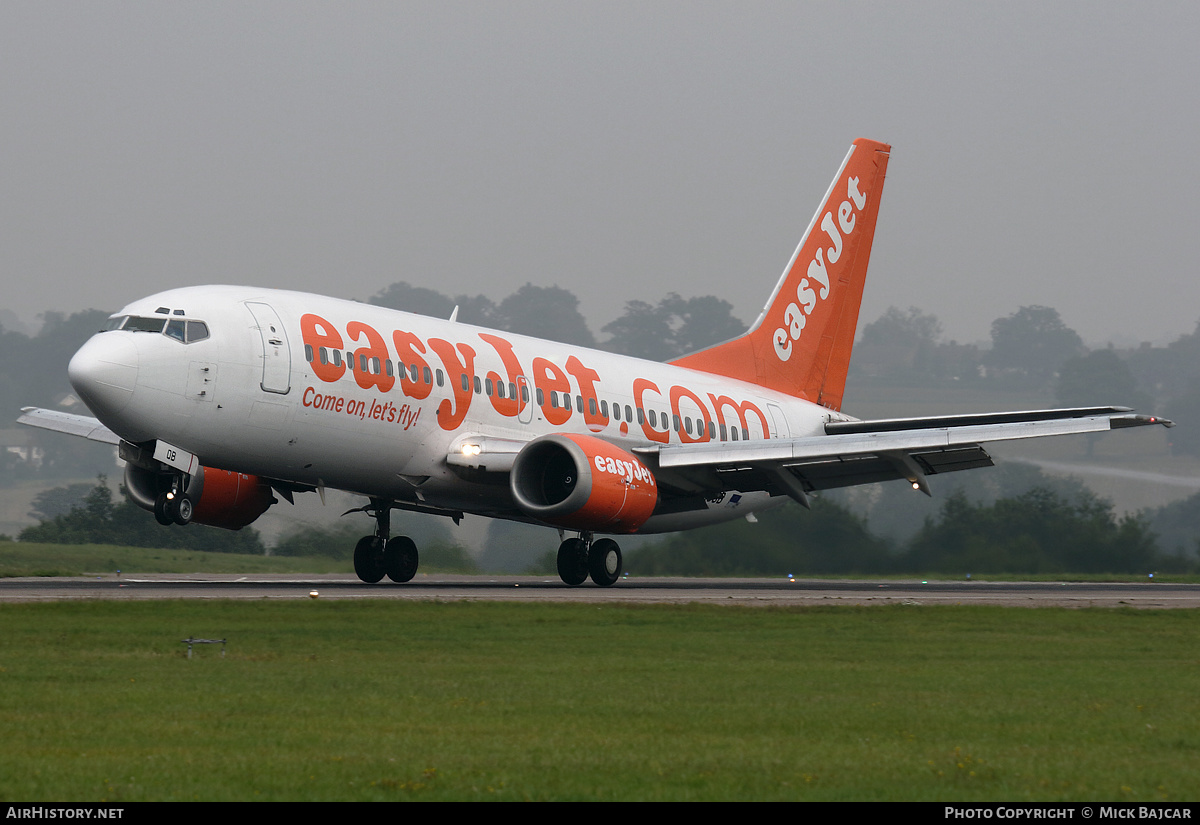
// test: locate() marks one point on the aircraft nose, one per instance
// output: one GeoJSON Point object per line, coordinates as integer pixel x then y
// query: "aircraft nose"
{"type": "Point", "coordinates": [104, 372]}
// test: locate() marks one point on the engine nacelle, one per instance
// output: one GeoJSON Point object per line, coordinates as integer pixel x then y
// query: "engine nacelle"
{"type": "Point", "coordinates": [583, 483]}
{"type": "Point", "coordinates": [220, 498]}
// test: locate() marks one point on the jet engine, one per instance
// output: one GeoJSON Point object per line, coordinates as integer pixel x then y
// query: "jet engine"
{"type": "Point", "coordinates": [219, 498]}
{"type": "Point", "coordinates": [582, 483]}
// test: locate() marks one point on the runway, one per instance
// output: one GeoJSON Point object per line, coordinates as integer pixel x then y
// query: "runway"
{"type": "Point", "coordinates": [760, 592]}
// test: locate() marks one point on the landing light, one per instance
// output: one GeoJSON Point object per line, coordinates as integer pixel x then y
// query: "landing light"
{"type": "Point", "coordinates": [471, 449]}
{"type": "Point", "coordinates": [916, 486]}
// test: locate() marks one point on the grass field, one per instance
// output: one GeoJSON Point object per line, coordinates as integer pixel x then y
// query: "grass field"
{"type": "Point", "coordinates": [20, 558]}
{"type": "Point", "coordinates": [386, 700]}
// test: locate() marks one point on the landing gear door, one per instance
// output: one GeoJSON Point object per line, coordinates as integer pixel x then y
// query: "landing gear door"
{"type": "Point", "coordinates": [276, 354]}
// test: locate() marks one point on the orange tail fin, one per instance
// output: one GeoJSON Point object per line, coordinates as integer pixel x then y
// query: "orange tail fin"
{"type": "Point", "coordinates": [801, 343]}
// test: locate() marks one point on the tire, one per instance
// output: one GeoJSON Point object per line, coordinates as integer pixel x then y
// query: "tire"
{"type": "Point", "coordinates": [368, 559]}
{"type": "Point", "coordinates": [183, 510]}
{"type": "Point", "coordinates": [400, 559]}
{"type": "Point", "coordinates": [572, 562]}
{"type": "Point", "coordinates": [160, 510]}
{"type": "Point", "coordinates": [604, 562]}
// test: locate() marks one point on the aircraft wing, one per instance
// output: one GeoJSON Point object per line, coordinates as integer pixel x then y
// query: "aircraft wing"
{"type": "Point", "coordinates": [861, 452]}
{"type": "Point", "coordinates": [61, 422]}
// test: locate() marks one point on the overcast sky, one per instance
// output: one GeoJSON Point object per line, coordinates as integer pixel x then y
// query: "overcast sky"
{"type": "Point", "coordinates": [1043, 153]}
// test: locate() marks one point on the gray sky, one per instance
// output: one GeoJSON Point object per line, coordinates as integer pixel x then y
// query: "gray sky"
{"type": "Point", "coordinates": [1042, 152]}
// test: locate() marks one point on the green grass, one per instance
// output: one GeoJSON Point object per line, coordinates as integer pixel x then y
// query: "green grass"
{"type": "Point", "coordinates": [386, 700]}
{"type": "Point", "coordinates": [19, 558]}
{"type": "Point", "coordinates": [32, 559]}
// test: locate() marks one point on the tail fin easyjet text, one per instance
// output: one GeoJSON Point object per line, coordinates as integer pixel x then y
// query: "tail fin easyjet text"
{"type": "Point", "coordinates": [801, 342]}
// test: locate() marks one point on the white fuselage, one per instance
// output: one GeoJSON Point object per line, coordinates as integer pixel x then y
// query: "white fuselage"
{"type": "Point", "coordinates": [268, 392]}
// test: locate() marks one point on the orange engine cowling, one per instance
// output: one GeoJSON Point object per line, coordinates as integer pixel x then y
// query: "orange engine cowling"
{"type": "Point", "coordinates": [583, 483]}
{"type": "Point", "coordinates": [221, 498]}
{"type": "Point", "coordinates": [231, 500]}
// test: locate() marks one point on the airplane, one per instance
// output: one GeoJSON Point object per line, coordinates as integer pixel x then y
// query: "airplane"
{"type": "Point", "coordinates": [221, 397]}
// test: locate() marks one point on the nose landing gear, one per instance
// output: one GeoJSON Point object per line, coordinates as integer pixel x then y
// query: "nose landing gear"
{"type": "Point", "coordinates": [175, 505]}
{"type": "Point", "coordinates": [583, 557]}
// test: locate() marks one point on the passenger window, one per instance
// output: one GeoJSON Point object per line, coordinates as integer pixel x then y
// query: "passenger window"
{"type": "Point", "coordinates": [337, 357]}
{"type": "Point", "coordinates": [712, 431]}
{"type": "Point", "coordinates": [466, 385]}
{"type": "Point", "coordinates": [654, 419]}
{"type": "Point", "coordinates": [675, 421]}
{"type": "Point", "coordinates": [604, 409]}
{"type": "Point", "coordinates": [478, 385]}
{"type": "Point", "coordinates": [439, 377]}
{"type": "Point", "coordinates": [324, 355]}
{"type": "Point", "coordinates": [578, 403]}
{"type": "Point", "coordinates": [487, 386]}
{"type": "Point", "coordinates": [541, 398]}
{"type": "Point", "coordinates": [591, 406]}
{"type": "Point", "coordinates": [641, 415]}
{"type": "Point", "coordinates": [616, 412]}
{"type": "Point", "coordinates": [428, 378]}
{"type": "Point", "coordinates": [308, 353]}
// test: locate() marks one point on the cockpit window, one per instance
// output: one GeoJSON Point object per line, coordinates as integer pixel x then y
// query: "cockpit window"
{"type": "Point", "coordinates": [196, 331]}
{"type": "Point", "coordinates": [136, 324]}
{"type": "Point", "coordinates": [177, 328]}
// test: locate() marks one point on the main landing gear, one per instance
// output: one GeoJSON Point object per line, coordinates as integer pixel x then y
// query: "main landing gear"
{"type": "Point", "coordinates": [378, 556]}
{"type": "Point", "coordinates": [582, 557]}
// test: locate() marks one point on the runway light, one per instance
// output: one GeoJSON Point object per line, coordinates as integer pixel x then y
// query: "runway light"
{"type": "Point", "coordinates": [312, 594]}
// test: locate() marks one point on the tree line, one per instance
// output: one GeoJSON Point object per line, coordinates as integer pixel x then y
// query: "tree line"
{"type": "Point", "coordinates": [1030, 349]}
{"type": "Point", "coordinates": [1039, 531]}
{"type": "Point", "coordinates": [1048, 528]}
